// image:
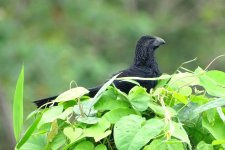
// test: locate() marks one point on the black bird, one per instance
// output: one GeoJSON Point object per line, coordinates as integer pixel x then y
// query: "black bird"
{"type": "Point", "coordinates": [144, 66]}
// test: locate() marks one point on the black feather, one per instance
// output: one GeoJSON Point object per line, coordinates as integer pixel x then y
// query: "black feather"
{"type": "Point", "coordinates": [144, 66]}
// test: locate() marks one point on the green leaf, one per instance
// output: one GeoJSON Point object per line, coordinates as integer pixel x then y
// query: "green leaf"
{"type": "Point", "coordinates": [159, 144]}
{"type": "Point", "coordinates": [88, 120]}
{"type": "Point", "coordinates": [18, 106]}
{"type": "Point", "coordinates": [159, 110]}
{"type": "Point", "coordinates": [186, 91]}
{"type": "Point", "coordinates": [101, 147]}
{"type": "Point", "coordinates": [218, 76]}
{"type": "Point", "coordinates": [51, 114]}
{"type": "Point", "coordinates": [156, 145]}
{"type": "Point", "coordinates": [180, 133]}
{"type": "Point", "coordinates": [98, 131]}
{"type": "Point", "coordinates": [218, 142]}
{"type": "Point", "coordinates": [104, 87]}
{"type": "Point", "coordinates": [139, 98]}
{"type": "Point", "coordinates": [200, 99]}
{"type": "Point", "coordinates": [180, 98]}
{"type": "Point", "coordinates": [197, 133]}
{"type": "Point", "coordinates": [71, 94]}
{"type": "Point", "coordinates": [106, 102]}
{"type": "Point", "coordinates": [109, 104]}
{"type": "Point", "coordinates": [213, 82]}
{"type": "Point", "coordinates": [203, 146]}
{"type": "Point", "coordinates": [210, 114]}
{"type": "Point", "coordinates": [85, 108]}
{"type": "Point", "coordinates": [183, 79]}
{"type": "Point", "coordinates": [193, 111]}
{"type": "Point", "coordinates": [88, 106]}
{"type": "Point", "coordinates": [212, 104]}
{"type": "Point", "coordinates": [199, 71]}
{"type": "Point", "coordinates": [85, 145]}
{"type": "Point", "coordinates": [163, 81]}
{"type": "Point", "coordinates": [58, 141]}
{"type": "Point", "coordinates": [74, 134]}
{"type": "Point", "coordinates": [185, 113]}
{"type": "Point", "coordinates": [44, 128]}
{"type": "Point", "coordinates": [175, 144]}
{"type": "Point", "coordinates": [217, 129]}
{"type": "Point", "coordinates": [114, 115]}
{"type": "Point", "coordinates": [221, 113]}
{"type": "Point", "coordinates": [133, 132]}
{"type": "Point", "coordinates": [32, 114]}
{"type": "Point", "coordinates": [29, 132]}
{"type": "Point", "coordinates": [66, 113]}
{"type": "Point", "coordinates": [53, 132]}
{"type": "Point", "coordinates": [158, 91]}
{"type": "Point", "coordinates": [35, 142]}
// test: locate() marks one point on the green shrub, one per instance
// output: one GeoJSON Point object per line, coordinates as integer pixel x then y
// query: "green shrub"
{"type": "Point", "coordinates": [184, 111]}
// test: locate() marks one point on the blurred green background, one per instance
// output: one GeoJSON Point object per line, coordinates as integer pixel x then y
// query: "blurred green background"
{"type": "Point", "coordinates": [86, 41]}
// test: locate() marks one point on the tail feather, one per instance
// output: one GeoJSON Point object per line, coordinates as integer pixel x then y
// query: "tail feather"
{"type": "Point", "coordinates": [41, 102]}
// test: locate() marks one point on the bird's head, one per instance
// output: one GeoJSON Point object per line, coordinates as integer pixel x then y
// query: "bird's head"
{"type": "Point", "coordinates": [145, 48]}
{"type": "Point", "coordinates": [149, 43]}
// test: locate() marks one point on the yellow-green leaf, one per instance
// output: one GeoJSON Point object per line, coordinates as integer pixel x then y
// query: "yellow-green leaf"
{"type": "Point", "coordinates": [18, 106]}
{"type": "Point", "coordinates": [71, 94]}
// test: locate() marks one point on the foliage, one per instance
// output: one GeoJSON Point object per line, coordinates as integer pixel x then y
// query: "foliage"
{"type": "Point", "coordinates": [56, 39]}
{"type": "Point", "coordinates": [185, 111]}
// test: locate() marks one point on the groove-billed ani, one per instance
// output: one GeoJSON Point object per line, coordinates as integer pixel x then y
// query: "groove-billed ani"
{"type": "Point", "coordinates": [144, 66]}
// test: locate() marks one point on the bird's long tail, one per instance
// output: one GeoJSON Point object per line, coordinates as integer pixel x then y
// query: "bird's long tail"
{"type": "Point", "coordinates": [41, 102]}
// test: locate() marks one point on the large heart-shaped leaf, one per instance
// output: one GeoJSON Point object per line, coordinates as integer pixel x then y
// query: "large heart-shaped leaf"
{"type": "Point", "coordinates": [133, 132]}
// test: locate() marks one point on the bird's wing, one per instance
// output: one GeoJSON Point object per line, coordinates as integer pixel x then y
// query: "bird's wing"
{"type": "Point", "coordinates": [41, 102]}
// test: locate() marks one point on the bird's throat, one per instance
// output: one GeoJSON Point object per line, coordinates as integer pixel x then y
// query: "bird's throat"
{"type": "Point", "coordinates": [145, 60]}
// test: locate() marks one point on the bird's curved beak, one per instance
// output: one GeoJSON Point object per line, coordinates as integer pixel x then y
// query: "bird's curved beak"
{"type": "Point", "coordinates": [158, 41]}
